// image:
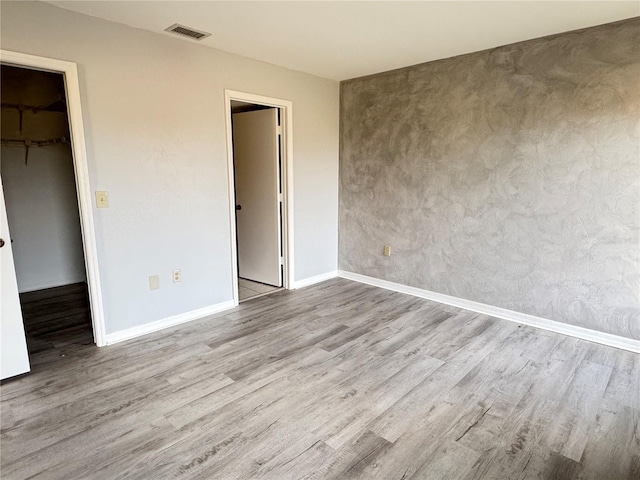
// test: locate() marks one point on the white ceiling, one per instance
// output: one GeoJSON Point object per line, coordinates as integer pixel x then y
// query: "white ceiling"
{"type": "Point", "coordinates": [341, 40]}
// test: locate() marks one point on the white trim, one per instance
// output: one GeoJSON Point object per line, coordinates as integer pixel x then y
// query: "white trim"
{"type": "Point", "coordinates": [81, 169]}
{"type": "Point", "coordinates": [168, 322]}
{"type": "Point", "coordinates": [305, 282]}
{"type": "Point", "coordinates": [286, 120]}
{"type": "Point", "coordinates": [588, 334]}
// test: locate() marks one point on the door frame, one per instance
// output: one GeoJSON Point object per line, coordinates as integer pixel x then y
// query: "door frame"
{"type": "Point", "coordinates": [69, 71]}
{"type": "Point", "coordinates": [286, 130]}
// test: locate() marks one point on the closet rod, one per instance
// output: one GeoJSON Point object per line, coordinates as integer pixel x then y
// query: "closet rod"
{"type": "Point", "coordinates": [27, 144]}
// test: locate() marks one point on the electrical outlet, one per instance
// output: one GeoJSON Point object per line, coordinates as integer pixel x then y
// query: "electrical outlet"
{"type": "Point", "coordinates": [102, 199]}
{"type": "Point", "coordinates": [387, 250]}
{"type": "Point", "coordinates": [176, 276]}
{"type": "Point", "coordinates": [154, 282]}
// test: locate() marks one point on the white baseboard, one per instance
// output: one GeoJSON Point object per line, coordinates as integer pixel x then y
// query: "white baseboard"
{"type": "Point", "coordinates": [315, 279]}
{"type": "Point", "coordinates": [603, 338]}
{"type": "Point", "coordinates": [140, 330]}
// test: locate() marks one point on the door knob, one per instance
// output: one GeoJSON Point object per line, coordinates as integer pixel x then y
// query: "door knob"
{"type": "Point", "coordinates": [238, 207]}
{"type": "Point", "coordinates": [1, 243]}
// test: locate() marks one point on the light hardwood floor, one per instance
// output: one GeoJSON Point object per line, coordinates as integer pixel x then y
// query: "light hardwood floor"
{"type": "Point", "coordinates": [339, 380]}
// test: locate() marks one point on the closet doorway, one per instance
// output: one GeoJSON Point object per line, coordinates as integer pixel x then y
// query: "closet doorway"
{"type": "Point", "coordinates": [259, 195]}
{"type": "Point", "coordinates": [36, 167]}
{"type": "Point", "coordinates": [50, 292]}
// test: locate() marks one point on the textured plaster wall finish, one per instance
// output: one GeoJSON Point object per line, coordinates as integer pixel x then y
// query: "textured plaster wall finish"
{"type": "Point", "coordinates": [154, 119]}
{"type": "Point", "coordinates": [509, 177]}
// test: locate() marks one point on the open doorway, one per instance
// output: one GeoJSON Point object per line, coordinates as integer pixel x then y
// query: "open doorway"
{"type": "Point", "coordinates": [257, 167]}
{"type": "Point", "coordinates": [41, 201]}
{"type": "Point", "coordinates": [259, 189]}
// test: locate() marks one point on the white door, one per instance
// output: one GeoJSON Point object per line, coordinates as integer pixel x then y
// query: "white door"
{"type": "Point", "coordinates": [14, 357]}
{"type": "Point", "coordinates": [256, 162]}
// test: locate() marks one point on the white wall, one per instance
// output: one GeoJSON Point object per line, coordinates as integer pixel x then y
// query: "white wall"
{"type": "Point", "coordinates": [40, 195]}
{"type": "Point", "coordinates": [154, 118]}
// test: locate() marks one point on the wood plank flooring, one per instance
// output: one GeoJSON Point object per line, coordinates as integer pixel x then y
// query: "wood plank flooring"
{"type": "Point", "coordinates": [336, 381]}
{"type": "Point", "coordinates": [57, 317]}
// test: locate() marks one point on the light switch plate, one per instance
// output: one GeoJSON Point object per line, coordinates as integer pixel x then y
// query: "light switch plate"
{"type": "Point", "coordinates": [154, 282]}
{"type": "Point", "coordinates": [102, 199]}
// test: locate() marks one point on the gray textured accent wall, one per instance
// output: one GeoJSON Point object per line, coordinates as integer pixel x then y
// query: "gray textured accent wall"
{"type": "Point", "coordinates": [509, 177]}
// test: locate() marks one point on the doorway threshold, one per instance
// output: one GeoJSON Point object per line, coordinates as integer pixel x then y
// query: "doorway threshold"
{"type": "Point", "coordinates": [248, 289]}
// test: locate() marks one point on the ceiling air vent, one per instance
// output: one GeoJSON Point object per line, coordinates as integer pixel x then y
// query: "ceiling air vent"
{"type": "Point", "coordinates": [187, 32]}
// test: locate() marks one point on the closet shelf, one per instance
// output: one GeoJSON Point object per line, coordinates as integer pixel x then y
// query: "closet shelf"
{"type": "Point", "coordinates": [56, 106]}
